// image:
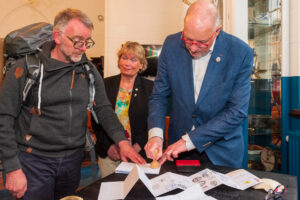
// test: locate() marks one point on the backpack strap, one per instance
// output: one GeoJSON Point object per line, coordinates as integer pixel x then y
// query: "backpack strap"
{"type": "Point", "coordinates": [33, 71]}
{"type": "Point", "coordinates": [91, 77]}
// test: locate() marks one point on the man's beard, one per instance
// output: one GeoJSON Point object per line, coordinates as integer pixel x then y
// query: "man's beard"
{"type": "Point", "coordinates": [73, 57]}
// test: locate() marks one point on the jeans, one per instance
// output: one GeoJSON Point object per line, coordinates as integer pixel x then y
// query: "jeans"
{"type": "Point", "coordinates": [51, 178]}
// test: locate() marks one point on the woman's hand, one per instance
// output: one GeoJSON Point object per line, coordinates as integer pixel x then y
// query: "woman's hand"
{"type": "Point", "coordinates": [137, 147]}
{"type": "Point", "coordinates": [114, 152]}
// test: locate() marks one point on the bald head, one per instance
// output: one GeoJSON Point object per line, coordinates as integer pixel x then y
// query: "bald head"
{"type": "Point", "coordinates": [202, 15]}
{"type": "Point", "coordinates": [201, 27]}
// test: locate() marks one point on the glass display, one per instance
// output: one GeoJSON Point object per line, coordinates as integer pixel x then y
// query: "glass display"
{"type": "Point", "coordinates": [264, 125]}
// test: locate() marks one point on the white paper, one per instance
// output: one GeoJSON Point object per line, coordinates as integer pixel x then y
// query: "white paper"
{"type": "Point", "coordinates": [145, 179]}
{"type": "Point", "coordinates": [226, 180]}
{"type": "Point", "coordinates": [207, 179]}
{"type": "Point", "coordinates": [126, 167]}
{"type": "Point", "coordinates": [243, 178]}
{"type": "Point", "coordinates": [118, 189]}
{"type": "Point", "coordinates": [111, 190]}
{"type": "Point", "coordinates": [239, 179]}
{"type": "Point", "coordinates": [168, 182]}
{"type": "Point", "coordinates": [192, 193]}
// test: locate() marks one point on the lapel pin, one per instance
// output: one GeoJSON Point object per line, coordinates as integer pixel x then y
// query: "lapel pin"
{"type": "Point", "coordinates": [136, 89]}
{"type": "Point", "coordinates": [218, 59]}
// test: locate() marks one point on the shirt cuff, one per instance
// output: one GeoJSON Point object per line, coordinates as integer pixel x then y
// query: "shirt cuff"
{"type": "Point", "coordinates": [153, 132]}
{"type": "Point", "coordinates": [188, 142]}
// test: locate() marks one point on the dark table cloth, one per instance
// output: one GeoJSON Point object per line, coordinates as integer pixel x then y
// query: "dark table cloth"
{"type": "Point", "coordinates": [139, 191]}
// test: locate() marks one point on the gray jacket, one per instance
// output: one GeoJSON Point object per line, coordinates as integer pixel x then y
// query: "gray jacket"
{"type": "Point", "coordinates": [60, 128]}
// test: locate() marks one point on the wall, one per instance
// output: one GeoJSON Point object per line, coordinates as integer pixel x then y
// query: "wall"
{"type": "Point", "coordinates": [237, 16]}
{"type": "Point", "coordinates": [18, 13]}
{"type": "Point", "coordinates": [144, 21]}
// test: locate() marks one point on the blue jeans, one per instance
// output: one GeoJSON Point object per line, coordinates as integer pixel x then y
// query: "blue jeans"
{"type": "Point", "coordinates": [51, 178]}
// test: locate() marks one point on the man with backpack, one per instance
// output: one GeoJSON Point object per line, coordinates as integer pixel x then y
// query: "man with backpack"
{"type": "Point", "coordinates": [43, 135]}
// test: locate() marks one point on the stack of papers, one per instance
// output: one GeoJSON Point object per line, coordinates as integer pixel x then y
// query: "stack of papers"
{"type": "Point", "coordinates": [126, 167]}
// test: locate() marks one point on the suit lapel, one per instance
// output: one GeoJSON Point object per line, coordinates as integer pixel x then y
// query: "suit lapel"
{"type": "Point", "coordinates": [215, 64]}
{"type": "Point", "coordinates": [188, 79]}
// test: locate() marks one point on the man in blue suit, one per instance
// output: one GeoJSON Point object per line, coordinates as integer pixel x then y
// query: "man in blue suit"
{"type": "Point", "coordinates": [205, 73]}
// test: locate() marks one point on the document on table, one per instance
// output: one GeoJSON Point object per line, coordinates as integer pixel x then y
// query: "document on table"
{"type": "Point", "coordinates": [207, 179]}
{"type": "Point", "coordinates": [126, 167]}
{"type": "Point", "coordinates": [157, 186]}
{"type": "Point", "coordinates": [168, 182]}
{"type": "Point", "coordinates": [243, 179]}
{"type": "Point", "coordinates": [239, 179]}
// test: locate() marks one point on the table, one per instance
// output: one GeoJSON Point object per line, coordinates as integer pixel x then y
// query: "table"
{"type": "Point", "coordinates": [139, 191]}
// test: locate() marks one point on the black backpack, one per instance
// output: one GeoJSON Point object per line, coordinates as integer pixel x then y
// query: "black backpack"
{"type": "Point", "coordinates": [25, 41]}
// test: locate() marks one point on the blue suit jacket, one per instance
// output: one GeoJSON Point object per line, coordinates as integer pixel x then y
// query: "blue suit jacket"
{"type": "Point", "coordinates": [222, 104]}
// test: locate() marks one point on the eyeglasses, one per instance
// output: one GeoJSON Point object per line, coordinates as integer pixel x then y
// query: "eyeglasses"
{"type": "Point", "coordinates": [202, 43]}
{"type": "Point", "coordinates": [277, 193]}
{"type": "Point", "coordinates": [89, 43]}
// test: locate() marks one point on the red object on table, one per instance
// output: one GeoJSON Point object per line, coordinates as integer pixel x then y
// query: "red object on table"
{"type": "Point", "coordinates": [187, 163]}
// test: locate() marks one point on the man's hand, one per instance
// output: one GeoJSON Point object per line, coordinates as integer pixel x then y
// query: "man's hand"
{"type": "Point", "coordinates": [127, 151]}
{"type": "Point", "coordinates": [114, 152]}
{"type": "Point", "coordinates": [151, 146]}
{"type": "Point", "coordinates": [16, 183]}
{"type": "Point", "coordinates": [173, 151]}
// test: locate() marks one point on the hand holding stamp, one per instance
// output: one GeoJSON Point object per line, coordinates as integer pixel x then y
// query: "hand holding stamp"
{"type": "Point", "coordinates": [155, 164]}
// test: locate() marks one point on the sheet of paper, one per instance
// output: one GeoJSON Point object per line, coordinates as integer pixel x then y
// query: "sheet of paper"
{"type": "Point", "coordinates": [226, 180]}
{"type": "Point", "coordinates": [126, 167]}
{"type": "Point", "coordinates": [145, 179]}
{"type": "Point", "coordinates": [119, 189]}
{"type": "Point", "coordinates": [192, 193]}
{"type": "Point", "coordinates": [130, 180]}
{"type": "Point", "coordinates": [239, 179]}
{"type": "Point", "coordinates": [168, 182]}
{"type": "Point", "coordinates": [206, 178]}
{"type": "Point", "coordinates": [243, 178]}
{"type": "Point", "coordinates": [111, 190]}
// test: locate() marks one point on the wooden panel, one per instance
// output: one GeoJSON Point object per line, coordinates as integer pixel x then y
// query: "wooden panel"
{"type": "Point", "coordinates": [167, 123]}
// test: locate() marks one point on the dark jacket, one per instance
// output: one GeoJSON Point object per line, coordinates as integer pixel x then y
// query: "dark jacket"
{"type": "Point", "coordinates": [60, 129]}
{"type": "Point", "coordinates": [138, 113]}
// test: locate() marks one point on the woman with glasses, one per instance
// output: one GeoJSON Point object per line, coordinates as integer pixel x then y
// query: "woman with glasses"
{"type": "Point", "coordinates": [128, 93]}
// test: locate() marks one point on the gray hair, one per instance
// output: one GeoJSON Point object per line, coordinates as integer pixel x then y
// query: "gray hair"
{"type": "Point", "coordinates": [64, 16]}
